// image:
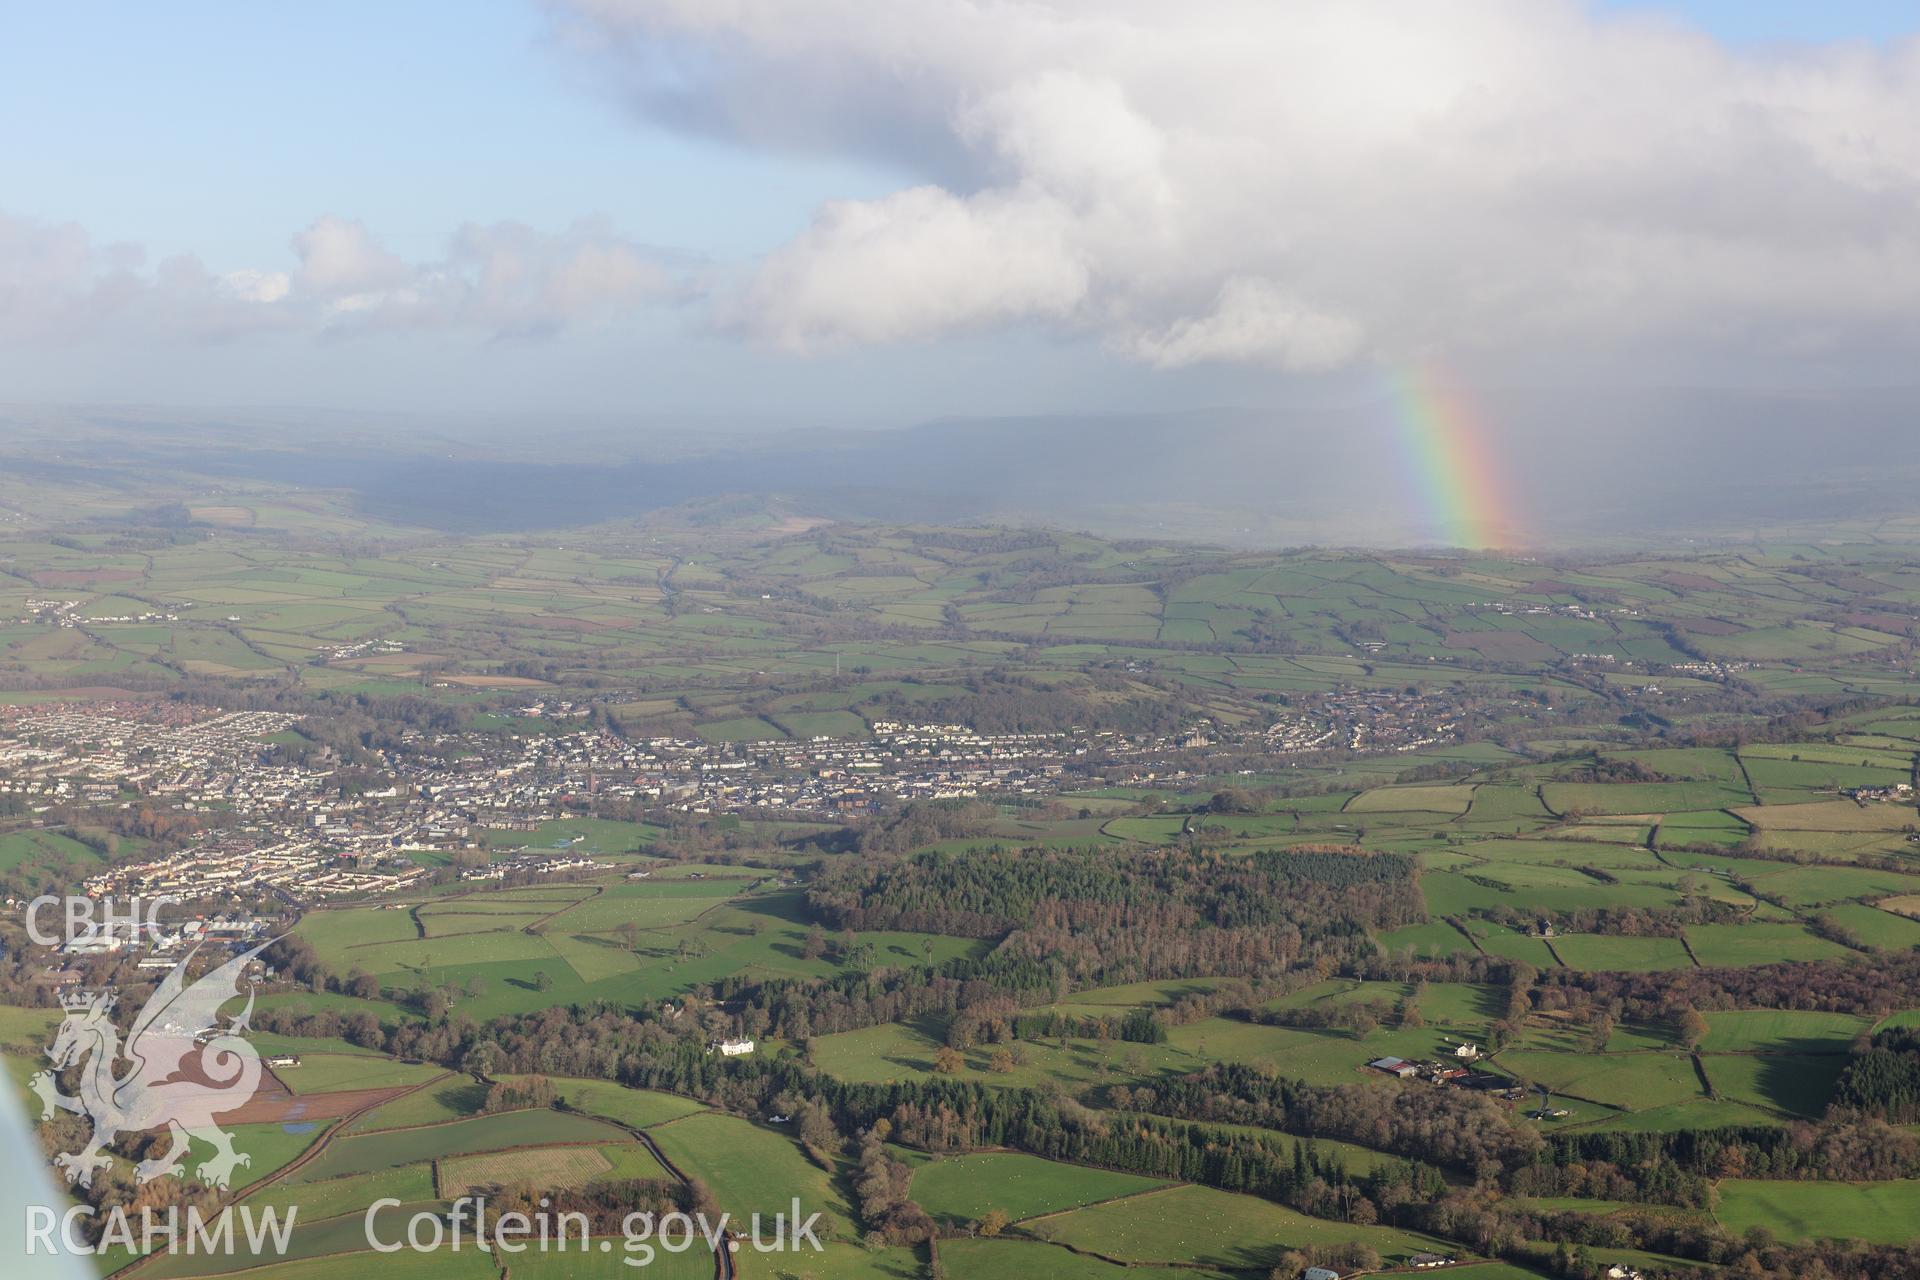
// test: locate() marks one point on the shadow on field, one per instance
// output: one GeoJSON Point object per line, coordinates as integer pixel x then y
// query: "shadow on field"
{"type": "Point", "coordinates": [1799, 1076]}
{"type": "Point", "coordinates": [1489, 1003]}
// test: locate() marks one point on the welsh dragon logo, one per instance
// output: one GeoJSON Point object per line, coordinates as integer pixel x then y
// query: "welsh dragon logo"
{"type": "Point", "coordinates": [186, 1069]}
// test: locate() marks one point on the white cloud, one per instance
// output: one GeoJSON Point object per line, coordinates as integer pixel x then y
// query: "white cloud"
{"type": "Point", "coordinates": [503, 279]}
{"type": "Point", "coordinates": [340, 258]}
{"type": "Point", "coordinates": [250, 285]}
{"type": "Point", "coordinates": [920, 261]}
{"type": "Point", "coordinates": [515, 280]}
{"type": "Point", "coordinates": [1253, 323]}
{"type": "Point", "coordinates": [54, 280]}
{"type": "Point", "coordinates": [1300, 183]}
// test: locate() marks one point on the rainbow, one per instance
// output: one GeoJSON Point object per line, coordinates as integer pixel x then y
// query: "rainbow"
{"type": "Point", "coordinates": [1452, 461]}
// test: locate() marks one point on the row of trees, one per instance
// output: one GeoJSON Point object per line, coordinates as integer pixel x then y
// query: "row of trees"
{"type": "Point", "coordinates": [1883, 1080]}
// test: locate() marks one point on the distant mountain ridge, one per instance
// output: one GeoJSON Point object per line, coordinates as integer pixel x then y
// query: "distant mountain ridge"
{"type": "Point", "coordinates": [1575, 468]}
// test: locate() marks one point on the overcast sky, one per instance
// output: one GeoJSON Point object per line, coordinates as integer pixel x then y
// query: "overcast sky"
{"type": "Point", "coordinates": [890, 210]}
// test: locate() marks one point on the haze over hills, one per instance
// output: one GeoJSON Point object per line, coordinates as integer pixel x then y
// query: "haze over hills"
{"type": "Point", "coordinates": [1557, 468]}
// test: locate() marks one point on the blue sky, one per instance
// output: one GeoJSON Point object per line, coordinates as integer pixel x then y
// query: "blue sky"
{"type": "Point", "coordinates": [1767, 21]}
{"type": "Point", "coordinates": [223, 127]}
{"type": "Point", "coordinates": [222, 130]}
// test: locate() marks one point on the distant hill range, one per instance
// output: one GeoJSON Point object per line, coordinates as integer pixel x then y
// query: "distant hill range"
{"type": "Point", "coordinates": [1552, 468]}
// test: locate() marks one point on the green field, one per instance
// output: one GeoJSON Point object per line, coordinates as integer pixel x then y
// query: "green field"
{"type": "Point", "coordinates": [1629, 1081]}
{"type": "Point", "coordinates": [1031, 1260]}
{"type": "Point", "coordinates": [1641, 797]}
{"type": "Point", "coordinates": [268, 1147]}
{"type": "Point", "coordinates": [962, 1189]}
{"type": "Point", "coordinates": [635, 1108]}
{"type": "Point", "coordinates": [594, 1263]}
{"type": "Point", "coordinates": [454, 1098]}
{"type": "Point", "coordinates": [1885, 930]}
{"type": "Point", "coordinates": [1781, 1031]}
{"type": "Point", "coordinates": [1404, 799]}
{"type": "Point", "coordinates": [690, 931]}
{"type": "Point", "coordinates": [1744, 944]}
{"type": "Point", "coordinates": [1208, 1227]}
{"type": "Point", "coordinates": [1426, 941]}
{"type": "Point", "coordinates": [1885, 1212]}
{"type": "Point", "coordinates": [1638, 955]}
{"type": "Point", "coordinates": [370, 1152]}
{"type": "Point", "coordinates": [48, 852]}
{"type": "Point", "coordinates": [470, 1264]}
{"type": "Point", "coordinates": [350, 1194]}
{"type": "Point", "coordinates": [326, 1072]}
{"type": "Point", "coordinates": [753, 1169]}
{"type": "Point", "coordinates": [1792, 1085]}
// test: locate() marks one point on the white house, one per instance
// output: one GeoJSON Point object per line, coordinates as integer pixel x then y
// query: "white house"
{"type": "Point", "coordinates": [1467, 1051]}
{"type": "Point", "coordinates": [1319, 1273]}
{"type": "Point", "coordinates": [731, 1048]}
